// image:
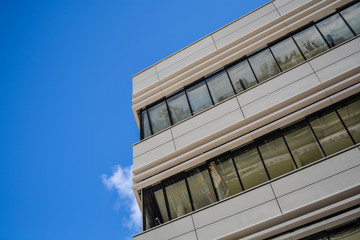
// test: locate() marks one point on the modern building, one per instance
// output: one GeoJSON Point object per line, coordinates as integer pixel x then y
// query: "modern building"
{"type": "Point", "coordinates": [253, 132]}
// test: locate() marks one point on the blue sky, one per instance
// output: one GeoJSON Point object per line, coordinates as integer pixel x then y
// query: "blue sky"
{"type": "Point", "coordinates": [66, 125]}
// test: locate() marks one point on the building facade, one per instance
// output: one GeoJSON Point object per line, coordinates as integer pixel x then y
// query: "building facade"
{"type": "Point", "coordinates": [253, 132]}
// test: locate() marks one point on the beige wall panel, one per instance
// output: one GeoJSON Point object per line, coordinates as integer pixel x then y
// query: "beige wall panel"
{"type": "Point", "coordinates": [335, 54]}
{"type": "Point", "coordinates": [246, 29]}
{"type": "Point", "coordinates": [232, 206]}
{"type": "Point", "coordinates": [320, 190]}
{"type": "Point", "coordinates": [150, 156]}
{"type": "Point", "coordinates": [315, 173]}
{"type": "Point", "coordinates": [168, 231]}
{"type": "Point", "coordinates": [205, 117]}
{"type": "Point", "coordinates": [277, 98]}
{"type": "Point", "coordinates": [239, 221]}
{"type": "Point", "coordinates": [199, 135]}
{"type": "Point", "coordinates": [152, 142]}
{"type": "Point", "coordinates": [289, 6]}
{"type": "Point", "coordinates": [144, 79]}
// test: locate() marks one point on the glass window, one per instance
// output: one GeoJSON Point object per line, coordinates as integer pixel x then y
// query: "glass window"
{"type": "Point", "coordinates": [155, 211]}
{"type": "Point", "coordinates": [145, 124]}
{"type": "Point", "coordinates": [220, 86]}
{"type": "Point", "coordinates": [302, 144]}
{"type": "Point", "coordinates": [241, 76]}
{"type": "Point", "coordinates": [350, 231]}
{"type": "Point", "coordinates": [179, 107]}
{"type": "Point", "coordinates": [350, 114]}
{"type": "Point", "coordinates": [201, 189]}
{"type": "Point", "coordinates": [199, 97]}
{"type": "Point", "coordinates": [334, 30]}
{"type": "Point", "coordinates": [264, 65]}
{"type": "Point", "coordinates": [159, 117]}
{"type": "Point", "coordinates": [224, 176]}
{"type": "Point", "coordinates": [250, 168]}
{"type": "Point", "coordinates": [310, 42]}
{"type": "Point", "coordinates": [352, 17]}
{"type": "Point", "coordinates": [178, 198]}
{"type": "Point", "coordinates": [287, 54]}
{"type": "Point", "coordinates": [276, 156]}
{"type": "Point", "coordinates": [330, 132]}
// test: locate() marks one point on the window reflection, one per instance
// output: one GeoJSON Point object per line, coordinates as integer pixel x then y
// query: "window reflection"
{"type": "Point", "coordinates": [350, 114]}
{"type": "Point", "coordinates": [302, 144]}
{"type": "Point", "coordinates": [241, 76]}
{"type": "Point", "coordinates": [350, 231]}
{"type": "Point", "coordinates": [218, 178]}
{"type": "Point", "coordinates": [201, 190]}
{"type": "Point", "coordinates": [334, 30]}
{"type": "Point", "coordinates": [330, 132]}
{"type": "Point", "coordinates": [159, 117]}
{"type": "Point", "coordinates": [225, 179]}
{"type": "Point", "coordinates": [310, 42]}
{"type": "Point", "coordinates": [287, 54]}
{"type": "Point", "coordinates": [264, 65]}
{"type": "Point", "coordinates": [178, 198]}
{"type": "Point", "coordinates": [352, 17]}
{"type": "Point", "coordinates": [178, 107]}
{"type": "Point", "coordinates": [220, 87]}
{"type": "Point", "coordinates": [145, 124]}
{"type": "Point", "coordinates": [250, 168]}
{"type": "Point", "coordinates": [154, 207]}
{"type": "Point", "coordinates": [276, 156]}
{"type": "Point", "coordinates": [199, 97]}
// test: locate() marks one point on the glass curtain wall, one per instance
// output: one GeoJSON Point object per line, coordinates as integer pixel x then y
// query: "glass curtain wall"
{"type": "Point", "coordinates": [179, 107]}
{"type": "Point", "coordinates": [258, 67]}
{"type": "Point", "coordinates": [201, 188]}
{"type": "Point", "coordinates": [346, 231]}
{"type": "Point", "coordinates": [297, 145]}
{"type": "Point", "coordinates": [241, 75]}
{"type": "Point", "coordinates": [351, 16]}
{"type": "Point", "coordinates": [250, 167]}
{"type": "Point", "coordinates": [224, 177]}
{"type": "Point", "coordinates": [178, 197]}
{"type": "Point", "coordinates": [199, 97]}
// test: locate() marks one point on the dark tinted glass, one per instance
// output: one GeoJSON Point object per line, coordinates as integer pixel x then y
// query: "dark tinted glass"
{"type": "Point", "coordinates": [334, 30]}
{"type": "Point", "coordinates": [250, 168]}
{"type": "Point", "coordinates": [350, 114]}
{"type": "Point", "coordinates": [276, 156]}
{"type": "Point", "coordinates": [201, 189]}
{"type": "Point", "coordinates": [302, 144]}
{"type": "Point", "coordinates": [225, 179]}
{"type": "Point", "coordinates": [264, 65]}
{"type": "Point", "coordinates": [220, 87]}
{"type": "Point", "coordinates": [145, 124]}
{"type": "Point", "coordinates": [349, 231]}
{"type": "Point", "coordinates": [310, 42]}
{"type": "Point", "coordinates": [155, 211]}
{"type": "Point", "coordinates": [330, 132]}
{"type": "Point", "coordinates": [199, 97]}
{"type": "Point", "coordinates": [241, 76]}
{"type": "Point", "coordinates": [178, 198]}
{"type": "Point", "coordinates": [287, 54]}
{"type": "Point", "coordinates": [352, 17]}
{"type": "Point", "coordinates": [159, 117]}
{"type": "Point", "coordinates": [179, 107]}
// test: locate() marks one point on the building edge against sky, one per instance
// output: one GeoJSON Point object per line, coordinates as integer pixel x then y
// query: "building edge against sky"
{"type": "Point", "coordinates": [191, 164]}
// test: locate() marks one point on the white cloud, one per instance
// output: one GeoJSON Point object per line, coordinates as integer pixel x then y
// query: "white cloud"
{"type": "Point", "coordinates": [121, 181]}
